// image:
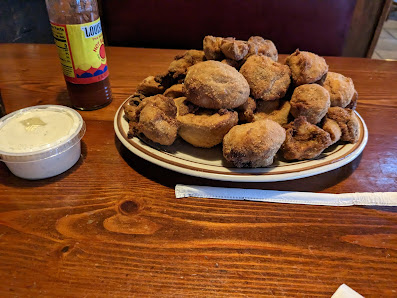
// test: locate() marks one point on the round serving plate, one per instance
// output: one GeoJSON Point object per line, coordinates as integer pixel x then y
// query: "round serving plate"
{"type": "Point", "coordinates": [209, 163]}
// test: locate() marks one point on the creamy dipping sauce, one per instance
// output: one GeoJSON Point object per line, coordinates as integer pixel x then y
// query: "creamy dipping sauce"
{"type": "Point", "coordinates": [37, 129]}
{"type": "Point", "coordinates": [42, 141]}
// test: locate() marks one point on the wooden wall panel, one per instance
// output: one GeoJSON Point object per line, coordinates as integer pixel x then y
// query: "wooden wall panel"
{"type": "Point", "coordinates": [27, 22]}
{"type": "Point", "coordinates": [367, 21]}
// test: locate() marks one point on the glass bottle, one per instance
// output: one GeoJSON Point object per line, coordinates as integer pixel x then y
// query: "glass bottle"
{"type": "Point", "coordinates": [77, 31]}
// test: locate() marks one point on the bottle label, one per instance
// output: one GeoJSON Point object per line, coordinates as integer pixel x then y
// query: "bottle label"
{"type": "Point", "coordinates": [82, 52]}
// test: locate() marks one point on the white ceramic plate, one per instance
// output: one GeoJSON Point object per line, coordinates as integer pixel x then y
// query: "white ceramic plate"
{"type": "Point", "coordinates": [209, 163]}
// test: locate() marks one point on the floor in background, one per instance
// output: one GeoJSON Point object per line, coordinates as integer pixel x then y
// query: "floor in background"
{"type": "Point", "coordinates": [386, 47]}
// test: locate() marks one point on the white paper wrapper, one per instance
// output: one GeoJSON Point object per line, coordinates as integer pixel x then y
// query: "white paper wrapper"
{"type": "Point", "coordinates": [291, 197]}
{"type": "Point", "coordinates": [346, 292]}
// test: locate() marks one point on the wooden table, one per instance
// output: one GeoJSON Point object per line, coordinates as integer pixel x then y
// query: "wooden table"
{"type": "Point", "coordinates": [112, 226]}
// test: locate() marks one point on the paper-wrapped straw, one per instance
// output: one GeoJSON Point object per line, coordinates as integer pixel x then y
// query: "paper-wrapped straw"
{"type": "Point", "coordinates": [291, 197]}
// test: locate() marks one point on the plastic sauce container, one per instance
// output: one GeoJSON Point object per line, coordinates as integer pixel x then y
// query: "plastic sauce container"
{"type": "Point", "coordinates": [41, 141]}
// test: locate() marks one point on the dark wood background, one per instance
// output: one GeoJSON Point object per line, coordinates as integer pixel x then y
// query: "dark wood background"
{"type": "Point", "coordinates": [329, 27]}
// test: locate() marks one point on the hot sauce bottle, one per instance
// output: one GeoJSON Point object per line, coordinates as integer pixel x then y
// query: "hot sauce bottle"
{"type": "Point", "coordinates": [77, 32]}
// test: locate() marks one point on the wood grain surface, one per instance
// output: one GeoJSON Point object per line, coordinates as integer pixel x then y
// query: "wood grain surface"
{"type": "Point", "coordinates": [111, 225]}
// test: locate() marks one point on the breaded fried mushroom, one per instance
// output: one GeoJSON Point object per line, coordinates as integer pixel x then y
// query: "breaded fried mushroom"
{"type": "Point", "coordinates": [181, 63]}
{"type": "Point", "coordinates": [347, 121]}
{"type": "Point", "coordinates": [234, 49]}
{"type": "Point", "coordinates": [340, 88]}
{"type": "Point", "coordinates": [260, 46]}
{"type": "Point", "coordinates": [232, 63]}
{"type": "Point", "coordinates": [311, 101]}
{"type": "Point", "coordinates": [353, 103]}
{"type": "Point", "coordinates": [206, 128]}
{"type": "Point", "coordinates": [184, 107]}
{"type": "Point", "coordinates": [174, 91]}
{"type": "Point", "coordinates": [166, 80]}
{"type": "Point", "coordinates": [149, 87]}
{"type": "Point", "coordinates": [268, 80]}
{"type": "Point", "coordinates": [276, 110]}
{"type": "Point", "coordinates": [253, 144]}
{"type": "Point", "coordinates": [136, 98]}
{"type": "Point", "coordinates": [130, 112]}
{"type": "Point", "coordinates": [155, 117]}
{"type": "Point", "coordinates": [212, 48]}
{"type": "Point", "coordinates": [304, 140]}
{"type": "Point", "coordinates": [215, 85]}
{"type": "Point", "coordinates": [307, 68]}
{"type": "Point", "coordinates": [246, 111]}
{"type": "Point", "coordinates": [332, 127]}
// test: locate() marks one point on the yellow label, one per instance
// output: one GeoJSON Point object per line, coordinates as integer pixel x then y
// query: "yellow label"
{"type": "Point", "coordinates": [60, 39]}
{"type": "Point", "coordinates": [82, 51]}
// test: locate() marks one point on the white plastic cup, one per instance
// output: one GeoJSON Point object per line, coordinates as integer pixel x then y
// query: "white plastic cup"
{"type": "Point", "coordinates": [37, 160]}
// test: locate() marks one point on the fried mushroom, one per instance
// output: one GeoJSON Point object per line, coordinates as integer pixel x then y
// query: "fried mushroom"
{"type": "Point", "coordinates": [304, 140]}
{"type": "Point", "coordinates": [215, 85]}
{"type": "Point", "coordinates": [212, 47]}
{"type": "Point", "coordinates": [232, 63]}
{"type": "Point", "coordinates": [276, 110]}
{"type": "Point", "coordinates": [246, 111]}
{"type": "Point", "coordinates": [206, 128]}
{"type": "Point", "coordinates": [167, 80]}
{"type": "Point", "coordinates": [184, 107]}
{"type": "Point", "coordinates": [268, 80]}
{"type": "Point", "coordinates": [311, 101]}
{"type": "Point", "coordinates": [307, 68]}
{"type": "Point", "coordinates": [155, 117]}
{"type": "Point", "coordinates": [149, 87]}
{"type": "Point", "coordinates": [340, 88]}
{"type": "Point", "coordinates": [347, 121]}
{"type": "Point", "coordinates": [234, 49]}
{"type": "Point", "coordinates": [136, 98]}
{"type": "Point", "coordinates": [353, 103]}
{"type": "Point", "coordinates": [332, 127]}
{"type": "Point", "coordinates": [253, 144]}
{"type": "Point", "coordinates": [259, 46]}
{"type": "Point", "coordinates": [174, 91]}
{"type": "Point", "coordinates": [181, 63]}
{"type": "Point", "coordinates": [130, 112]}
